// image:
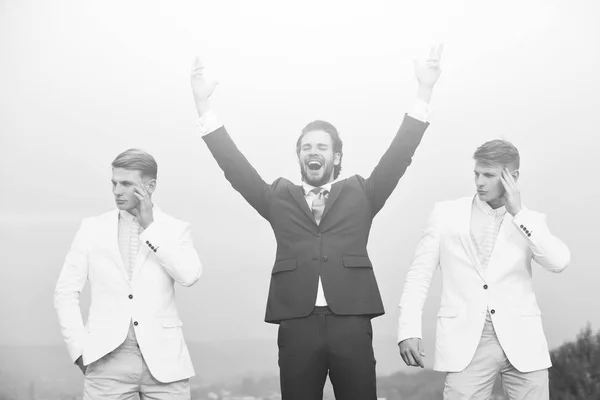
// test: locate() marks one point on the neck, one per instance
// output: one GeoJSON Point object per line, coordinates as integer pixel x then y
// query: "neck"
{"type": "Point", "coordinates": [495, 204]}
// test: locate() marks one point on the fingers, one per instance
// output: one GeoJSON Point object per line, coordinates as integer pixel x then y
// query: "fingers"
{"type": "Point", "coordinates": [197, 66]}
{"type": "Point", "coordinates": [421, 350]}
{"type": "Point", "coordinates": [404, 358]}
{"type": "Point", "coordinates": [417, 357]}
{"type": "Point", "coordinates": [140, 192]}
{"type": "Point", "coordinates": [506, 185]}
{"type": "Point", "coordinates": [507, 179]}
{"type": "Point", "coordinates": [411, 354]}
{"type": "Point", "coordinates": [410, 359]}
{"type": "Point", "coordinates": [435, 54]}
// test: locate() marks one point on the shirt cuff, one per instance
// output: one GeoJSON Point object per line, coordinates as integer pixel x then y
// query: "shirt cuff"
{"type": "Point", "coordinates": [421, 110]}
{"type": "Point", "coordinates": [208, 123]}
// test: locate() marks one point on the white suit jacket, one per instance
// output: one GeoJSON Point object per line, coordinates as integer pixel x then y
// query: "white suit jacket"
{"type": "Point", "coordinates": [505, 288]}
{"type": "Point", "coordinates": [148, 300]}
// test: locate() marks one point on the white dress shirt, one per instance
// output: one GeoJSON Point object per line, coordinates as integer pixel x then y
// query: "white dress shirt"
{"type": "Point", "coordinates": [309, 196]}
{"type": "Point", "coordinates": [485, 221]}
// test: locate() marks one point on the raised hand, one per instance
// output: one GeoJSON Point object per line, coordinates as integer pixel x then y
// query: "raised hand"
{"type": "Point", "coordinates": [143, 212]}
{"type": "Point", "coordinates": [512, 195]}
{"type": "Point", "coordinates": [428, 71]}
{"type": "Point", "coordinates": [201, 87]}
{"type": "Point", "coordinates": [412, 353]}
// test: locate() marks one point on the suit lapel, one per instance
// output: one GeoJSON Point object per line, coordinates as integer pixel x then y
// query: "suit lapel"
{"type": "Point", "coordinates": [141, 258]}
{"type": "Point", "coordinates": [336, 189]}
{"type": "Point", "coordinates": [298, 195]}
{"type": "Point", "coordinates": [464, 233]}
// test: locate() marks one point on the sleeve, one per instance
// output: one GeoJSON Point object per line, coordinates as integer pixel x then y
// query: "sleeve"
{"type": "Point", "coordinates": [418, 280]}
{"type": "Point", "coordinates": [175, 251]}
{"type": "Point", "coordinates": [392, 166]}
{"type": "Point", "coordinates": [548, 250]}
{"type": "Point", "coordinates": [71, 282]}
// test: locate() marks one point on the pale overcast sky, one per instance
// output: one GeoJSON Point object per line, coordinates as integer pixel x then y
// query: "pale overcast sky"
{"type": "Point", "coordinates": [82, 81]}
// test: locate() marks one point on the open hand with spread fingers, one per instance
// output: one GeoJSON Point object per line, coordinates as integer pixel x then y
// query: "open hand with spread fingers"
{"type": "Point", "coordinates": [512, 195]}
{"type": "Point", "coordinates": [202, 88]}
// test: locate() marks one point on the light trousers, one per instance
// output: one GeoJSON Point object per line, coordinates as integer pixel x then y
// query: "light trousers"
{"type": "Point", "coordinates": [477, 380]}
{"type": "Point", "coordinates": [123, 375]}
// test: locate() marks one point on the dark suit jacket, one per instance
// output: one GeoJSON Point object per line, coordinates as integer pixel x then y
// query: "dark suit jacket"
{"type": "Point", "coordinates": [336, 249]}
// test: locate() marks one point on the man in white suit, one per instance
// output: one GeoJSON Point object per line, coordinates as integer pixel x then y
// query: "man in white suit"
{"type": "Point", "coordinates": [132, 342]}
{"type": "Point", "coordinates": [489, 322]}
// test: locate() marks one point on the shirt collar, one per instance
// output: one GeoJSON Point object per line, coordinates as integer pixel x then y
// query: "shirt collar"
{"type": "Point", "coordinates": [307, 188]}
{"type": "Point", "coordinates": [126, 216]}
{"type": "Point", "coordinates": [485, 207]}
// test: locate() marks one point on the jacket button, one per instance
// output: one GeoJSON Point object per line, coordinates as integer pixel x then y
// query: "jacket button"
{"type": "Point", "coordinates": [130, 296]}
{"type": "Point", "coordinates": [135, 323]}
{"type": "Point", "coordinates": [493, 311]}
{"type": "Point", "coordinates": [318, 234]}
{"type": "Point", "coordinates": [324, 259]}
{"type": "Point", "coordinates": [485, 286]}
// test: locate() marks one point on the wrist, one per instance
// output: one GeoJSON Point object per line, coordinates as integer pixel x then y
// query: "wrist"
{"type": "Point", "coordinates": [202, 107]}
{"type": "Point", "coordinates": [424, 93]}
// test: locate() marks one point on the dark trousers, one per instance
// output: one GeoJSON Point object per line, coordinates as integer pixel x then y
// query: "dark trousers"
{"type": "Point", "coordinates": [322, 343]}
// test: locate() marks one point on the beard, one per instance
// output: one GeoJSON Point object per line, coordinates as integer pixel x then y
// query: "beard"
{"type": "Point", "coordinates": [316, 178]}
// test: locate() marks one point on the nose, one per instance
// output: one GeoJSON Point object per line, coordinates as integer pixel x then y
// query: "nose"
{"type": "Point", "coordinates": [117, 190]}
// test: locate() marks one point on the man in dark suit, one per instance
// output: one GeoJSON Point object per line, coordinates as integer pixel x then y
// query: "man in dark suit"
{"type": "Point", "coordinates": [323, 291]}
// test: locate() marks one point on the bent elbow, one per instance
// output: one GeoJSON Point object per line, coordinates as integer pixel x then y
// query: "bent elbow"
{"type": "Point", "coordinates": [191, 277]}
{"type": "Point", "coordinates": [560, 262]}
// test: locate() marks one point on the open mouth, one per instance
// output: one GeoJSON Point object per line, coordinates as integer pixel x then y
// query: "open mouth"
{"type": "Point", "coordinates": [314, 165]}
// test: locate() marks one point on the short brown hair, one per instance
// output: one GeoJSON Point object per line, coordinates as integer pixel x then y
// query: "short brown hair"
{"type": "Point", "coordinates": [498, 151]}
{"type": "Point", "coordinates": [136, 159]}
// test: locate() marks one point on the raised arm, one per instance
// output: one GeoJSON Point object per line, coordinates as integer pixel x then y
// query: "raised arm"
{"type": "Point", "coordinates": [398, 157]}
{"type": "Point", "coordinates": [238, 171]}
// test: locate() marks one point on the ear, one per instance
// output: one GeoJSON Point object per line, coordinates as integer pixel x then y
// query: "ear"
{"type": "Point", "coordinates": [151, 186]}
{"type": "Point", "coordinates": [337, 158]}
{"type": "Point", "coordinates": [516, 175]}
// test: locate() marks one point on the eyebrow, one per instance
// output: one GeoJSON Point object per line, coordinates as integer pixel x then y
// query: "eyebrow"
{"type": "Point", "coordinates": [121, 182]}
{"type": "Point", "coordinates": [320, 144]}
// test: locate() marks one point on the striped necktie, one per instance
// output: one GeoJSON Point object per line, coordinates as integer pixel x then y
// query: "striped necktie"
{"type": "Point", "coordinates": [318, 204]}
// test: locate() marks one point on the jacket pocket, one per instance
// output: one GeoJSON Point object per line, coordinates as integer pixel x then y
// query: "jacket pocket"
{"type": "Point", "coordinates": [356, 262]}
{"type": "Point", "coordinates": [530, 311]}
{"type": "Point", "coordinates": [284, 265]}
{"type": "Point", "coordinates": [170, 322]}
{"type": "Point", "coordinates": [447, 312]}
